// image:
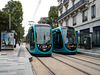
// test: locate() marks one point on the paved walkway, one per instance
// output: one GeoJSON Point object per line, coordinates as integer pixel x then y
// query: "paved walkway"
{"type": "Point", "coordinates": [93, 52]}
{"type": "Point", "coordinates": [15, 62]}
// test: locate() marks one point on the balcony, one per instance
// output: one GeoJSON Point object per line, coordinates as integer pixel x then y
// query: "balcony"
{"type": "Point", "coordinates": [61, 5]}
{"type": "Point", "coordinates": [73, 8]}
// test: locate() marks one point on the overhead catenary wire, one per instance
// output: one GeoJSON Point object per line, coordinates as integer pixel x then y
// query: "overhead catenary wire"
{"type": "Point", "coordinates": [38, 5]}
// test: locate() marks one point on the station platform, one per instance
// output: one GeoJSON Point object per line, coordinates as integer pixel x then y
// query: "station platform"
{"type": "Point", "coordinates": [92, 52]}
{"type": "Point", "coordinates": [15, 62]}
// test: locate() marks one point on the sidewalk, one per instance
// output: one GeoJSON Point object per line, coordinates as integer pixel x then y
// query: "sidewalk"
{"type": "Point", "coordinates": [92, 52]}
{"type": "Point", "coordinates": [15, 62]}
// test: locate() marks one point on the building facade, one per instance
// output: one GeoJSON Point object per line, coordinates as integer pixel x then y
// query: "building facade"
{"type": "Point", "coordinates": [83, 15]}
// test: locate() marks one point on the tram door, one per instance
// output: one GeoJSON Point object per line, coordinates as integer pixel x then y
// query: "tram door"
{"type": "Point", "coordinates": [57, 39]}
{"type": "Point", "coordinates": [32, 40]}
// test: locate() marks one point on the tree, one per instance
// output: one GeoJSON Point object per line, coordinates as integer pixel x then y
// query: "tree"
{"type": "Point", "coordinates": [15, 9]}
{"type": "Point", "coordinates": [53, 15]}
{"type": "Point", "coordinates": [44, 20]}
{"type": "Point", "coordinates": [4, 21]}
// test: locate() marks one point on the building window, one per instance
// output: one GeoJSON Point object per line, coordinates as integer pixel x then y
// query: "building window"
{"type": "Point", "coordinates": [60, 12]}
{"type": "Point", "coordinates": [60, 24]}
{"type": "Point", "coordinates": [60, 1]}
{"type": "Point", "coordinates": [83, 33]}
{"type": "Point", "coordinates": [96, 36]}
{"type": "Point", "coordinates": [74, 20]}
{"type": "Point", "coordinates": [66, 8]}
{"type": "Point", "coordinates": [66, 22]}
{"type": "Point", "coordinates": [93, 11]}
{"type": "Point", "coordinates": [85, 15]}
{"type": "Point", "coordinates": [73, 2]}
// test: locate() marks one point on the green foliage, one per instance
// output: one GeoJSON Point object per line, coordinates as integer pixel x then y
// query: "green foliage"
{"type": "Point", "coordinates": [4, 21]}
{"type": "Point", "coordinates": [52, 18]}
{"type": "Point", "coordinates": [15, 9]}
{"type": "Point", "coordinates": [53, 15]}
{"type": "Point", "coordinates": [44, 20]}
{"type": "Point", "coordinates": [55, 26]}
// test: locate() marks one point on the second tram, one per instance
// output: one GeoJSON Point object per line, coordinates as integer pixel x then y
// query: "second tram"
{"type": "Point", "coordinates": [65, 40]}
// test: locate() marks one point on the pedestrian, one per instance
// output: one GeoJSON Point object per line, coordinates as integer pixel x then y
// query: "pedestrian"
{"type": "Point", "coordinates": [19, 42]}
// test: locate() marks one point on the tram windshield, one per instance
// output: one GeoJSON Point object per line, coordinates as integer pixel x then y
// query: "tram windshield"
{"type": "Point", "coordinates": [69, 35]}
{"type": "Point", "coordinates": [43, 35]}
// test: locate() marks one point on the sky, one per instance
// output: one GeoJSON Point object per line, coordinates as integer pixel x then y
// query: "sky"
{"type": "Point", "coordinates": [29, 8]}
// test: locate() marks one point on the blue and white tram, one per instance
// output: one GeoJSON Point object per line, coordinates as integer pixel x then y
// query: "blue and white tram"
{"type": "Point", "coordinates": [39, 39]}
{"type": "Point", "coordinates": [65, 40]}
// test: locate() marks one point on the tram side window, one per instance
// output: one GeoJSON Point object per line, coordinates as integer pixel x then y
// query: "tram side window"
{"type": "Point", "coordinates": [27, 39]}
{"type": "Point", "coordinates": [32, 40]}
{"type": "Point", "coordinates": [57, 40]}
{"type": "Point", "coordinates": [54, 40]}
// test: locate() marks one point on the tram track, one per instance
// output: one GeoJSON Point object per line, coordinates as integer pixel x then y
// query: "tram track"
{"type": "Point", "coordinates": [72, 66]}
{"type": "Point", "coordinates": [88, 59]}
{"type": "Point", "coordinates": [49, 70]}
{"type": "Point", "coordinates": [58, 68]}
{"type": "Point", "coordinates": [81, 59]}
{"type": "Point", "coordinates": [91, 57]}
{"type": "Point", "coordinates": [84, 60]}
{"type": "Point", "coordinates": [75, 61]}
{"type": "Point", "coordinates": [85, 67]}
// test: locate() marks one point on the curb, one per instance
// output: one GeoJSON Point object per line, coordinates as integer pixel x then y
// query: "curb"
{"type": "Point", "coordinates": [89, 54]}
{"type": "Point", "coordinates": [30, 59]}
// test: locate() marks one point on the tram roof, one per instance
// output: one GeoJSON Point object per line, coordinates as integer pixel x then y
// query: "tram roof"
{"type": "Point", "coordinates": [40, 25]}
{"type": "Point", "coordinates": [65, 26]}
{"type": "Point", "coordinates": [62, 27]}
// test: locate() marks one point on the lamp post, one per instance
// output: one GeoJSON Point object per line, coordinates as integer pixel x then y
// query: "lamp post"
{"type": "Point", "coordinates": [9, 21]}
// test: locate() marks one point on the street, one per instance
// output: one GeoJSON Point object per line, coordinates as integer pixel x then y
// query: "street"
{"type": "Point", "coordinates": [17, 62]}
{"type": "Point", "coordinates": [60, 64]}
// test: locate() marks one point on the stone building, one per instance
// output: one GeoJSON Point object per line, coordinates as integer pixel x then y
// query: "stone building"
{"type": "Point", "coordinates": [83, 15]}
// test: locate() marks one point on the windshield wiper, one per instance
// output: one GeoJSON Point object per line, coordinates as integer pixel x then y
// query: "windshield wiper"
{"type": "Point", "coordinates": [44, 38]}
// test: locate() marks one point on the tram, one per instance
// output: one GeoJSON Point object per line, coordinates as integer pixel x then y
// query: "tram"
{"type": "Point", "coordinates": [65, 40]}
{"type": "Point", "coordinates": [39, 39]}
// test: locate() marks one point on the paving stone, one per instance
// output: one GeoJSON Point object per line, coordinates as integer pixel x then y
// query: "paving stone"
{"type": "Point", "coordinates": [15, 62]}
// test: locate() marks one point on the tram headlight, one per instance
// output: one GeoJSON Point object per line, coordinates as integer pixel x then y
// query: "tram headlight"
{"type": "Point", "coordinates": [48, 46]}
{"type": "Point", "coordinates": [40, 47]}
